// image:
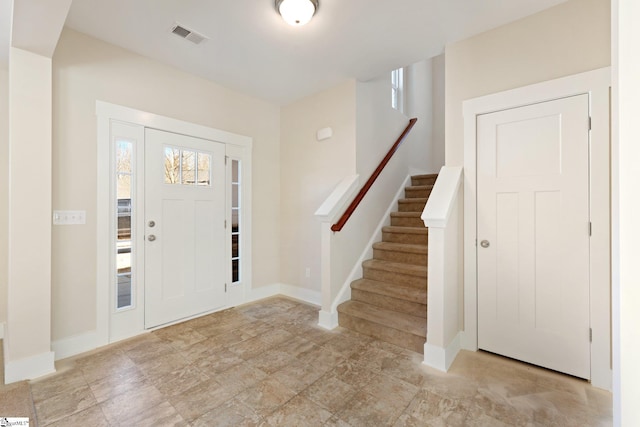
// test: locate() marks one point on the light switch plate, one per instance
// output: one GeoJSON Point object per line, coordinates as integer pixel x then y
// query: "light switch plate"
{"type": "Point", "coordinates": [69, 217]}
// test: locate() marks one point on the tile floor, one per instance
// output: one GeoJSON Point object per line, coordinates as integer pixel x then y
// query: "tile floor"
{"type": "Point", "coordinates": [267, 364]}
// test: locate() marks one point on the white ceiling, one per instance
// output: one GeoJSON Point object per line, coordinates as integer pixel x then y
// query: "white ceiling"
{"type": "Point", "coordinates": [251, 49]}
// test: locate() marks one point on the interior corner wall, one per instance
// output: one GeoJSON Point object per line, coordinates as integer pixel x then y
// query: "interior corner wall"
{"type": "Point", "coordinates": [436, 154]}
{"type": "Point", "coordinates": [424, 94]}
{"type": "Point", "coordinates": [567, 39]}
{"type": "Point", "coordinates": [310, 170]}
{"type": "Point", "coordinates": [378, 125]}
{"type": "Point", "coordinates": [4, 189]}
{"type": "Point", "coordinates": [85, 70]}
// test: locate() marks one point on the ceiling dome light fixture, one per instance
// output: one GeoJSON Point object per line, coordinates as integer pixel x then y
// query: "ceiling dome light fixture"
{"type": "Point", "coordinates": [297, 12]}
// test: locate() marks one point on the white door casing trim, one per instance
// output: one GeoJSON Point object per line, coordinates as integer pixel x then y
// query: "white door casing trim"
{"type": "Point", "coordinates": [596, 83]}
{"type": "Point", "coordinates": [239, 146]}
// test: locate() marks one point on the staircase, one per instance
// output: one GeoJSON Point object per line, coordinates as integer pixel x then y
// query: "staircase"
{"type": "Point", "coordinates": [390, 301]}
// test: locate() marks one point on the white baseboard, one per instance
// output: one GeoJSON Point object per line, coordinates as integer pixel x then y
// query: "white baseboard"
{"type": "Point", "coordinates": [328, 320]}
{"type": "Point", "coordinates": [441, 358]}
{"type": "Point", "coordinates": [295, 292]}
{"type": "Point", "coordinates": [1, 330]}
{"type": "Point", "coordinates": [262, 292]}
{"type": "Point", "coordinates": [29, 367]}
{"type": "Point", "coordinates": [76, 344]}
{"type": "Point", "coordinates": [301, 294]}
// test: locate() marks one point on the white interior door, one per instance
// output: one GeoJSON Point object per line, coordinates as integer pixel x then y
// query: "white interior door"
{"type": "Point", "coordinates": [533, 234]}
{"type": "Point", "coordinates": [185, 257]}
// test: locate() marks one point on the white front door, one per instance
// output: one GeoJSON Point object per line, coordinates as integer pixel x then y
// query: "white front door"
{"type": "Point", "coordinates": [533, 234]}
{"type": "Point", "coordinates": [185, 257]}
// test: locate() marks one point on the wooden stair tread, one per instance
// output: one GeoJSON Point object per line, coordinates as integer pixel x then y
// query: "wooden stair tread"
{"type": "Point", "coordinates": [401, 247]}
{"type": "Point", "coordinates": [404, 230]}
{"type": "Point", "coordinates": [390, 319]}
{"type": "Point", "coordinates": [396, 267]}
{"type": "Point", "coordinates": [391, 290]}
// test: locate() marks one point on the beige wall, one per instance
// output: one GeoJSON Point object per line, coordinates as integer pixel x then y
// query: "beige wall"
{"type": "Point", "coordinates": [378, 124]}
{"type": "Point", "coordinates": [424, 95]}
{"type": "Point", "coordinates": [4, 188]}
{"type": "Point", "coordinates": [310, 170]}
{"type": "Point", "coordinates": [86, 70]}
{"type": "Point", "coordinates": [564, 40]}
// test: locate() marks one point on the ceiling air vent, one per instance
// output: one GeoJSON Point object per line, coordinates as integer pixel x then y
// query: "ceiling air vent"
{"type": "Point", "coordinates": [188, 34]}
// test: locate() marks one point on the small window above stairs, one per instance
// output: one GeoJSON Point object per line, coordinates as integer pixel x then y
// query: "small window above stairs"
{"type": "Point", "coordinates": [390, 301]}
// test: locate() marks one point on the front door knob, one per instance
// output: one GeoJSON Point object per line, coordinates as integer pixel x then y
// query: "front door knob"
{"type": "Point", "coordinates": [485, 244]}
{"type": "Point", "coordinates": [151, 238]}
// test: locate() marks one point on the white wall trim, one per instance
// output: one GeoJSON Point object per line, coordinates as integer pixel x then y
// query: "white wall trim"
{"type": "Point", "coordinates": [29, 367]}
{"type": "Point", "coordinates": [441, 202]}
{"type": "Point", "coordinates": [301, 294]}
{"type": "Point", "coordinates": [442, 358]}
{"type": "Point", "coordinates": [76, 344]}
{"type": "Point", "coordinates": [107, 114]}
{"type": "Point", "coordinates": [328, 320]}
{"type": "Point", "coordinates": [1, 330]}
{"type": "Point", "coordinates": [156, 121]}
{"type": "Point", "coordinates": [295, 292]}
{"type": "Point", "coordinates": [338, 198]}
{"type": "Point", "coordinates": [595, 83]}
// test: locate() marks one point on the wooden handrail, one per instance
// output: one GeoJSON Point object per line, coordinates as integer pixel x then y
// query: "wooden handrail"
{"type": "Point", "coordinates": [354, 204]}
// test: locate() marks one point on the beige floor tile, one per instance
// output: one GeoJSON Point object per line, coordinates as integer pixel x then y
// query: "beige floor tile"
{"type": "Point", "coordinates": [63, 405]}
{"type": "Point", "coordinates": [266, 396]}
{"type": "Point", "coordinates": [164, 415]}
{"type": "Point", "coordinates": [271, 360]}
{"type": "Point", "coordinates": [181, 338]}
{"type": "Point", "coordinates": [230, 414]}
{"type": "Point", "coordinates": [163, 368]}
{"type": "Point", "coordinates": [124, 407]}
{"type": "Point", "coordinates": [330, 392]}
{"type": "Point", "coordinates": [58, 383]}
{"type": "Point", "coordinates": [336, 422]}
{"type": "Point", "coordinates": [268, 363]}
{"type": "Point", "coordinates": [295, 346]}
{"type": "Point", "coordinates": [104, 365]}
{"type": "Point", "coordinates": [244, 375]}
{"type": "Point", "coordinates": [353, 373]}
{"type": "Point", "coordinates": [346, 344]}
{"type": "Point", "coordinates": [149, 349]}
{"type": "Point", "coordinates": [217, 360]}
{"type": "Point", "coordinates": [298, 412]}
{"type": "Point", "coordinates": [321, 358]}
{"type": "Point", "coordinates": [431, 409]}
{"type": "Point", "coordinates": [91, 416]}
{"type": "Point", "coordinates": [365, 410]}
{"type": "Point", "coordinates": [203, 398]}
{"type": "Point", "coordinates": [297, 375]}
{"type": "Point", "coordinates": [123, 381]}
{"type": "Point", "coordinates": [391, 390]}
{"type": "Point", "coordinates": [16, 401]}
{"type": "Point", "coordinates": [182, 380]}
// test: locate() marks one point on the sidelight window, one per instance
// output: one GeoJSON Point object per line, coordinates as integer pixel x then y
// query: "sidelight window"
{"type": "Point", "coordinates": [235, 221]}
{"type": "Point", "coordinates": [124, 178]}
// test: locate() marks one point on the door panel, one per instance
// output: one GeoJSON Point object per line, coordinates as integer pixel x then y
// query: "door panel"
{"type": "Point", "coordinates": [185, 256]}
{"type": "Point", "coordinates": [533, 209]}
